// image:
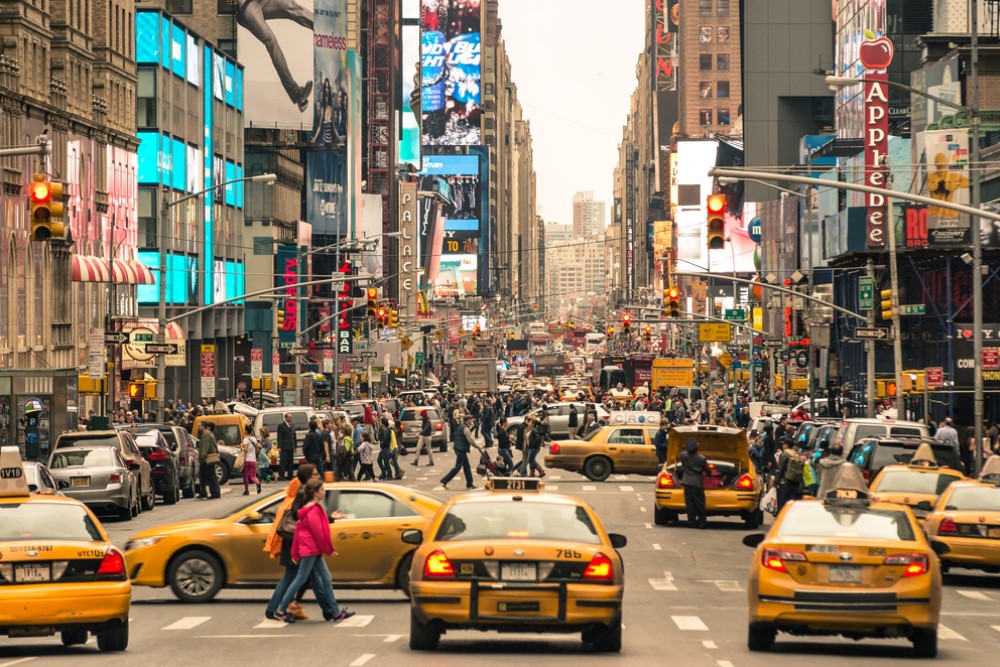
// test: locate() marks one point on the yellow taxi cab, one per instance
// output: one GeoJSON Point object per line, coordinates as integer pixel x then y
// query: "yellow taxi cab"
{"type": "Point", "coordinates": [917, 484]}
{"type": "Point", "coordinates": [199, 558]}
{"type": "Point", "coordinates": [58, 569]}
{"type": "Point", "coordinates": [967, 519]}
{"type": "Point", "coordinates": [623, 449]}
{"type": "Point", "coordinates": [845, 565]}
{"type": "Point", "coordinates": [732, 485]}
{"type": "Point", "coordinates": [516, 559]}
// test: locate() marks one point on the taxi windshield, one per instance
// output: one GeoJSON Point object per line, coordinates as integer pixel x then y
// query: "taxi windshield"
{"type": "Point", "coordinates": [513, 520]}
{"type": "Point", "coordinates": [863, 523]}
{"type": "Point", "coordinates": [975, 498]}
{"type": "Point", "coordinates": [47, 521]}
{"type": "Point", "coordinates": [911, 481]}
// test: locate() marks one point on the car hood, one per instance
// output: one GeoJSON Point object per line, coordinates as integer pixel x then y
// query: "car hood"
{"type": "Point", "coordinates": [728, 444]}
{"type": "Point", "coordinates": [189, 528]}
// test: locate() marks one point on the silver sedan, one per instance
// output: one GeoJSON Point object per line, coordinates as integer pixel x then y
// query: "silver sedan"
{"type": "Point", "coordinates": [99, 478]}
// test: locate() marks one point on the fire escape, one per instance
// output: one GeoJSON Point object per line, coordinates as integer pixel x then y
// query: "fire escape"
{"type": "Point", "coordinates": [377, 155]}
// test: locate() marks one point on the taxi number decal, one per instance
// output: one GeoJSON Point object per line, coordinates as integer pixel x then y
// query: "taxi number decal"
{"type": "Point", "coordinates": [89, 553]}
{"type": "Point", "coordinates": [38, 549]}
{"type": "Point", "coordinates": [567, 553]}
{"type": "Point", "coordinates": [874, 551]}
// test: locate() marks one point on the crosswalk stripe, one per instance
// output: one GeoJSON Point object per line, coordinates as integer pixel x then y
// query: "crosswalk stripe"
{"type": "Point", "coordinates": [689, 623]}
{"type": "Point", "coordinates": [996, 627]}
{"type": "Point", "coordinates": [975, 595]}
{"type": "Point", "coordinates": [708, 644]}
{"type": "Point", "coordinates": [726, 585]}
{"type": "Point", "coordinates": [656, 547]}
{"type": "Point", "coordinates": [625, 488]}
{"type": "Point", "coordinates": [270, 624]}
{"type": "Point", "coordinates": [724, 663]}
{"type": "Point", "coordinates": [188, 623]}
{"type": "Point", "coordinates": [363, 659]}
{"type": "Point", "coordinates": [555, 476]}
{"type": "Point", "coordinates": [642, 508]}
{"type": "Point", "coordinates": [664, 584]}
{"type": "Point", "coordinates": [358, 621]}
{"type": "Point", "coordinates": [589, 487]}
{"type": "Point", "coordinates": [649, 525]}
{"type": "Point", "coordinates": [944, 632]}
{"type": "Point", "coordinates": [392, 638]}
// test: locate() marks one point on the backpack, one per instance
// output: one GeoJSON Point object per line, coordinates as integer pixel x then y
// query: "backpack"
{"type": "Point", "coordinates": [795, 469]}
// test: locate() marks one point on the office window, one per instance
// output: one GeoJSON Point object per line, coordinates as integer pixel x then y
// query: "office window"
{"type": "Point", "coordinates": [722, 7]}
{"type": "Point", "coordinates": [705, 117]}
{"type": "Point", "coordinates": [705, 90]}
{"type": "Point", "coordinates": [705, 34]}
{"type": "Point", "coordinates": [705, 61]}
{"type": "Point", "coordinates": [721, 89]}
{"type": "Point", "coordinates": [723, 117]}
{"type": "Point", "coordinates": [705, 7]}
{"type": "Point", "coordinates": [722, 62]}
{"type": "Point", "coordinates": [180, 6]}
{"type": "Point", "coordinates": [723, 34]}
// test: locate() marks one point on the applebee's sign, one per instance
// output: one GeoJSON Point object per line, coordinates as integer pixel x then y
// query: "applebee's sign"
{"type": "Point", "coordinates": [876, 54]}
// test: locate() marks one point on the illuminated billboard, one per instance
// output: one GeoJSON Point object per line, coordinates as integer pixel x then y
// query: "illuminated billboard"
{"type": "Point", "coordinates": [451, 72]}
{"type": "Point", "coordinates": [408, 122]}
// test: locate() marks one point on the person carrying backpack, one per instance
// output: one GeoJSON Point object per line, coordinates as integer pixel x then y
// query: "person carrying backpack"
{"type": "Point", "coordinates": [791, 467]}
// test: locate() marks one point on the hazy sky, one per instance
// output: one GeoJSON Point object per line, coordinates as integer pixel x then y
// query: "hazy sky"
{"type": "Point", "coordinates": [573, 62]}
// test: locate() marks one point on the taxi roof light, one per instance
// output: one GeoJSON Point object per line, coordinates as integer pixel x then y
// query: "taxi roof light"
{"type": "Point", "coordinates": [437, 566]}
{"type": "Point", "coordinates": [515, 484]}
{"type": "Point", "coordinates": [7, 572]}
{"type": "Point", "coordinates": [13, 483]}
{"type": "Point", "coordinates": [600, 568]}
{"type": "Point", "coordinates": [112, 567]}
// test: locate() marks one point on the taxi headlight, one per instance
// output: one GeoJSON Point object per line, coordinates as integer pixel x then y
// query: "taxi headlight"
{"type": "Point", "coordinates": [142, 542]}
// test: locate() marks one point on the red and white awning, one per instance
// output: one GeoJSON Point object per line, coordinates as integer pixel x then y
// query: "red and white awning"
{"type": "Point", "coordinates": [90, 269]}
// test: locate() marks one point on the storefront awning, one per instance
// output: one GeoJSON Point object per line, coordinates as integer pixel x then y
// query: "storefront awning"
{"type": "Point", "coordinates": [90, 269]}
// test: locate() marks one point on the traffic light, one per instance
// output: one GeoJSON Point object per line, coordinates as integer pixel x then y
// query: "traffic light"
{"type": "Point", "coordinates": [716, 206]}
{"type": "Point", "coordinates": [281, 318]}
{"type": "Point", "coordinates": [647, 333]}
{"type": "Point", "coordinates": [372, 301]}
{"type": "Point", "coordinates": [510, 336]}
{"type": "Point", "coordinates": [382, 316]}
{"type": "Point", "coordinates": [671, 302]}
{"type": "Point", "coordinates": [627, 323]}
{"type": "Point", "coordinates": [886, 298]}
{"type": "Point", "coordinates": [393, 318]}
{"type": "Point", "coordinates": [136, 391]}
{"type": "Point", "coordinates": [46, 208]}
{"type": "Point", "coordinates": [611, 331]}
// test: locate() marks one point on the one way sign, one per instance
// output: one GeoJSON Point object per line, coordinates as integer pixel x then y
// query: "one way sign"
{"type": "Point", "coordinates": [871, 333]}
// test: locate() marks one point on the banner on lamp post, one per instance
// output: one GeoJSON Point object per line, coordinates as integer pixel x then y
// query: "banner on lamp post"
{"type": "Point", "coordinates": [876, 55]}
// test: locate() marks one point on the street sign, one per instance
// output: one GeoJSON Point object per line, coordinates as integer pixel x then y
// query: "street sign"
{"type": "Point", "coordinates": [755, 229]}
{"type": "Point", "coordinates": [161, 348]}
{"type": "Point", "coordinates": [369, 354]}
{"type": "Point", "coordinates": [95, 354]}
{"type": "Point", "coordinates": [298, 351]}
{"type": "Point", "coordinates": [913, 309]}
{"type": "Point", "coordinates": [773, 343]}
{"type": "Point", "coordinates": [256, 363]}
{"type": "Point", "coordinates": [866, 292]}
{"type": "Point", "coordinates": [419, 356]}
{"type": "Point", "coordinates": [871, 333]}
{"type": "Point", "coordinates": [710, 332]}
{"type": "Point", "coordinates": [115, 337]}
{"type": "Point", "coordinates": [353, 359]}
{"type": "Point", "coordinates": [736, 315]}
{"type": "Point", "coordinates": [726, 360]}
{"type": "Point", "coordinates": [736, 365]}
{"type": "Point", "coordinates": [934, 377]}
{"type": "Point", "coordinates": [802, 359]}
{"type": "Point", "coordinates": [991, 358]}
{"type": "Point", "coordinates": [405, 343]}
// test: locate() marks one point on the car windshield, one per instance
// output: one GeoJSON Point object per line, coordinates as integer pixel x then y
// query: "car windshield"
{"type": "Point", "coordinates": [811, 519]}
{"type": "Point", "coordinates": [86, 458]}
{"type": "Point", "coordinates": [911, 481]}
{"type": "Point", "coordinates": [888, 454]}
{"type": "Point", "coordinates": [47, 521]}
{"type": "Point", "coordinates": [512, 520]}
{"type": "Point", "coordinates": [975, 499]}
{"type": "Point", "coordinates": [300, 420]}
{"type": "Point", "coordinates": [227, 434]}
{"type": "Point", "coordinates": [77, 441]}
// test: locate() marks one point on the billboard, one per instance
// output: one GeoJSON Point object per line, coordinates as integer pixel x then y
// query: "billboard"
{"type": "Point", "coordinates": [409, 255]}
{"type": "Point", "coordinates": [326, 187]}
{"type": "Point", "coordinates": [451, 72]}
{"type": "Point", "coordinates": [408, 122]}
{"type": "Point", "coordinates": [943, 159]}
{"type": "Point", "coordinates": [331, 75]}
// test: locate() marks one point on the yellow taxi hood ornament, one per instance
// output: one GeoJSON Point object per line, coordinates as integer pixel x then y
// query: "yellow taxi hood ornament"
{"type": "Point", "coordinates": [12, 481]}
{"type": "Point", "coordinates": [924, 456]}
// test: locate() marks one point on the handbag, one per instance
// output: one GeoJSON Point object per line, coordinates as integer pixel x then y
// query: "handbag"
{"type": "Point", "coordinates": [241, 458]}
{"type": "Point", "coordinates": [286, 527]}
{"type": "Point", "coordinates": [769, 502]}
{"type": "Point", "coordinates": [212, 459]}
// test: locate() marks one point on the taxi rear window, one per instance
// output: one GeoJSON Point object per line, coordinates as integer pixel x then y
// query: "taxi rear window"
{"type": "Point", "coordinates": [46, 521]}
{"type": "Point", "coordinates": [909, 481]}
{"type": "Point", "coordinates": [89, 458]}
{"type": "Point", "coordinates": [863, 523]}
{"type": "Point", "coordinates": [511, 520]}
{"type": "Point", "coordinates": [978, 499]}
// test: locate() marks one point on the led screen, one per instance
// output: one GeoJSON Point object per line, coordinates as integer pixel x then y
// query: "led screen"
{"type": "Point", "coordinates": [450, 73]}
{"type": "Point", "coordinates": [147, 37]}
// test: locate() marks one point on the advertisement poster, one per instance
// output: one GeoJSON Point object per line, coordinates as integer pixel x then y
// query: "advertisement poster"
{"type": "Point", "coordinates": [286, 272]}
{"type": "Point", "coordinates": [370, 226]}
{"type": "Point", "coordinates": [326, 204]}
{"type": "Point", "coordinates": [944, 160]}
{"type": "Point", "coordinates": [451, 72]}
{"type": "Point", "coordinates": [408, 151]}
{"type": "Point", "coordinates": [331, 76]}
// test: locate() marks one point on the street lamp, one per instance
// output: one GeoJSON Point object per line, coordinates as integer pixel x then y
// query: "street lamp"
{"type": "Point", "coordinates": [166, 205]}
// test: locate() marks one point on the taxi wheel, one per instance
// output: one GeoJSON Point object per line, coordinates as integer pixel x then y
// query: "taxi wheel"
{"type": "Point", "coordinates": [423, 637]}
{"type": "Point", "coordinates": [663, 516]}
{"type": "Point", "coordinates": [403, 574]}
{"type": "Point", "coordinates": [597, 468]}
{"type": "Point", "coordinates": [752, 520]}
{"type": "Point", "coordinates": [195, 576]}
{"type": "Point", "coordinates": [113, 636]}
{"type": "Point", "coordinates": [608, 638]}
{"type": "Point", "coordinates": [760, 638]}
{"type": "Point", "coordinates": [73, 637]}
{"type": "Point", "coordinates": [924, 643]}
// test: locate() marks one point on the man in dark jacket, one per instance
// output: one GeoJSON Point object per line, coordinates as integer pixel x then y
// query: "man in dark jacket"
{"type": "Point", "coordinates": [503, 444]}
{"type": "Point", "coordinates": [312, 447]}
{"type": "Point", "coordinates": [767, 442]}
{"type": "Point", "coordinates": [464, 442]}
{"type": "Point", "coordinates": [692, 467]}
{"type": "Point", "coordinates": [425, 440]}
{"type": "Point", "coordinates": [287, 442]}
{"type": "Point", "coordinates": [660, 442]}
{"type": "Point", "coordinates": [486, 418]}
{"type": "Point", "coordinates": [384, 452]}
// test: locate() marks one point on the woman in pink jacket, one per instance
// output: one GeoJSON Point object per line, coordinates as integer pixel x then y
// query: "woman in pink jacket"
{"type": "Point", "coordinates": [312, 541]}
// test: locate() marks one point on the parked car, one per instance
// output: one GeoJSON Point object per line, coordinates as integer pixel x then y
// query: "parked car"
{"type": "Point", "coordinates": [164, 464]}
{"type": "Point", "coordinates": [410, 421]}
{"type": "Point", "coordinates": [272, 417]}
{"type": "Point", "coordinates": [40, 480]}
{"type": "Point", "coordinates": [185, 448]}
{"type": "Point", "coordinates": [870, 455]}
{"type": "Point", "coordinates": [96, 474]}
{"type": "Point", "coordinates": [124, 442]}
{"type": "Point", "coordinates": [854, 430]}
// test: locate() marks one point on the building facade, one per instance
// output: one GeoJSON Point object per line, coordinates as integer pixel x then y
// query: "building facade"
{"type": "Point", "coordinates": [709, 85]}
{"type": "Point", "coordinates": [589, 216]}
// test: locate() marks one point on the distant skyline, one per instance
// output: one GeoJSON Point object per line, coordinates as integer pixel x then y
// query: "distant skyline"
{"type": "Point", "coordinates": [574, 67]}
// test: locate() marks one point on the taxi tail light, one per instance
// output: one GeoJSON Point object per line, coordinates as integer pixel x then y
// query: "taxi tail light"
{"type": "Point", "coordinates": [159, 455]}
{"type": "Point", "coordinates": [947, 527]}
{"type": "Point", "coordinates": [113, 566]}
{"type": "Point", "coordinates": [774, 559]}
{"type": "Point", "coordinates": [439, 426]}
{"type": "Point", "coordinates": [913, 564]}
{"type": "Point", "coordinates": [600, 568]}
{"type": "Point", "coordinates": [665, 481]}
{"type": "Point", "coordinates": [745, 483]}
{"type": "Point", "coordinates": [554, 448]}
{"type": "Point", "coordinates": [437, 566]}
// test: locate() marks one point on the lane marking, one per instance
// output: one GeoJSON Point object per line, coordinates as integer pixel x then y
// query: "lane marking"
{"type": "Point", "coordinates": [724, 585]}
{"type": "Point", "coordinates": [363, 659]}
{"type": "Point", "coordinates": [625, 488]}
{"type": "Point", "coordinates": [358, 621]}
{"type": "Point", "coordinates": [621, 478]}
{"type": "Point", "coordinates": [944, 632]}
{"type": "Point", "coordinates": [555, 476]}
{"type": "Point", "coordinates": [664, 584]}
{"type": "Point", "coordinates": [270, 624]}
{"type": "Point", "coordinates": [589, 487]}
{"type": "Point", "coordinates": [649, 525]}
{"type": "Point", "coordinates": [657, 547]}
{"type": "Point", "coordinates": [975, 595]}
{"type": "Point", "coordinates": [257, 636]}
{"type": "Point", "coordinates": [995, 627]}
{"type": "Point", "coordinates": [723, 663]}
{"type": "Point", "coordinates": [692, 623]}
{"type": "Point", "coordinates": [392, 638]}
{"type": "Point", "coordinates": [708, 644]}
{"type": "Point", "coordinates": [17, 662]}
{"type": "Point", "coordinates": [642, 508]}
{"type": "Point", "coordinates": [189, 622]}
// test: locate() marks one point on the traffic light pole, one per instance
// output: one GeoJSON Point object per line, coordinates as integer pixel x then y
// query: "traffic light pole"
{"type": "Point", "coordinates": [870, 349]}
{"type": "Point", "coordinates": [897, 338]}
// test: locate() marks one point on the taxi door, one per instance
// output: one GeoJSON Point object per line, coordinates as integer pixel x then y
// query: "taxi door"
{"type": "Point", "coordinates": [247, 559]}
{"type": "Point", "coordinates": [629, 454]}
{"type": "Point", "coordinates": [368, 541]}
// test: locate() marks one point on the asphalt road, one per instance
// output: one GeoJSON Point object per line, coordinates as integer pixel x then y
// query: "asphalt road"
{"type": "Point", "coordinates": [685, 602]}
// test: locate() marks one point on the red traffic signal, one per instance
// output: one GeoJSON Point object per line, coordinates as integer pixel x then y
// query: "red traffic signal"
{"type": "Point", "coordinates": [716, 203]}
{"type": "Point", "coordinates": [136, 390]}
{"type": "Point", "coordinates": [40, 193]}
{"type": "Point", "coordinates": [627, 318]}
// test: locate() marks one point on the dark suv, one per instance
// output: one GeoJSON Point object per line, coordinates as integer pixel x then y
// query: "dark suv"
{"type": "Point", "coordinates": [163, 464]}
{"type": "Point", "coordinates": [873, 454]}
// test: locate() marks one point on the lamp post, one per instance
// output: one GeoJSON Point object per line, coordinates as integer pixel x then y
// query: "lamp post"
{"type": "Point", "coordinates": [166, 204]}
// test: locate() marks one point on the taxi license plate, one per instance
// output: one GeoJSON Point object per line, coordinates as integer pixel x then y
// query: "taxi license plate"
{"type": "Point", "coordinates": [845, 574]}
{"type": "Point", "coordinates": [518, 606]}
{"type": "Point", "coordinates": [518, 571]}
{"type": "Point", "coordinates": [32, 573]}
{"type": "Point", "coordinates": [993, 531]}
{"type": "Point", "coordinates": [79, 481]}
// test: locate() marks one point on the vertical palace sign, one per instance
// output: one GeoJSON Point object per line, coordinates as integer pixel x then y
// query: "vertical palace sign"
{"type": "Point", "coordinates": [876, 55]}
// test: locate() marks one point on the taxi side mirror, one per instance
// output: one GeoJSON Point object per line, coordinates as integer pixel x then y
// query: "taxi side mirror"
{"type": "Point", "coordinates": [940, 548]}
{"type": "Point", "coordinates": [412, 536]}
{"type": "Point", "coordinates": [753, 540]}
{"type": "Point", "coordinates": [62, 484]}
{"type": "Point", "coordinates": [925, 505]}
{"type": "Point", "coordinates": [617, 541]}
